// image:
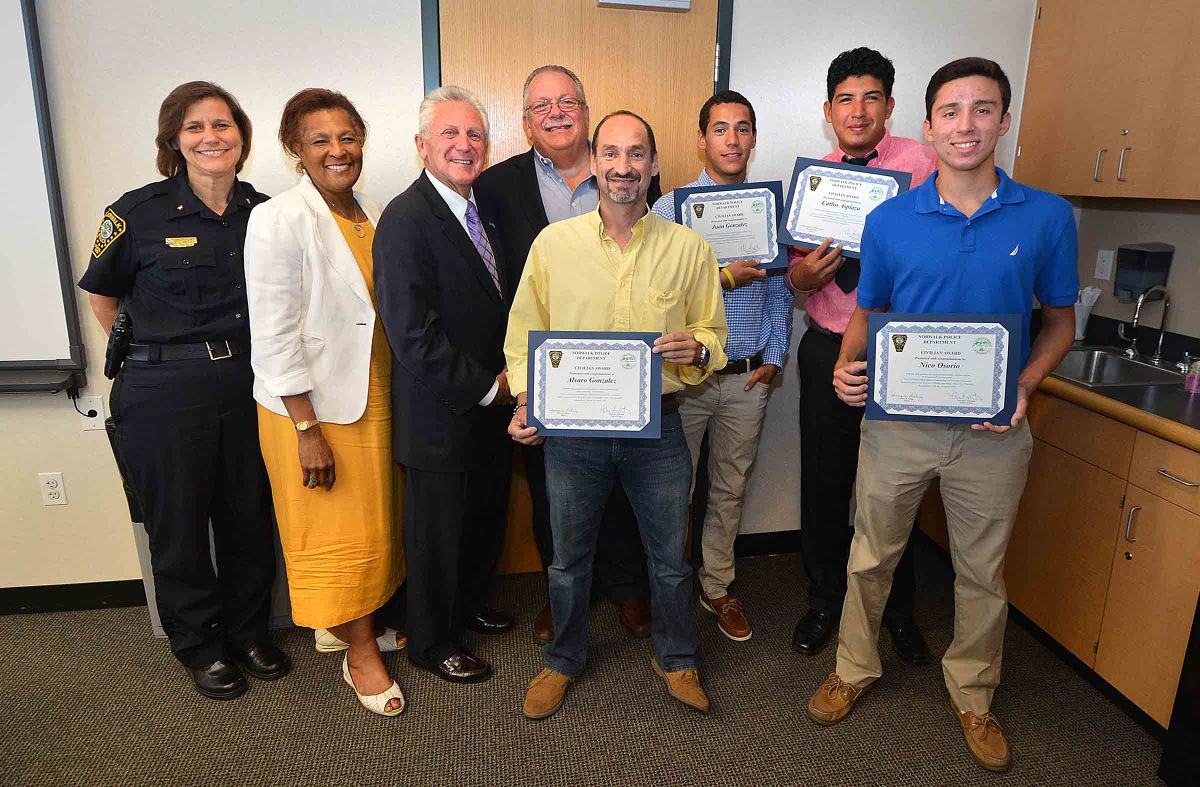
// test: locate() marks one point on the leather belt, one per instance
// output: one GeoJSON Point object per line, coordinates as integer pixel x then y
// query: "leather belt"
{"type": "Point", "coordinates": [821, 329]}
{"type": "Point", "coordinates": [211, 351]}
{"type": "Point", "coordinates": [743, 366]}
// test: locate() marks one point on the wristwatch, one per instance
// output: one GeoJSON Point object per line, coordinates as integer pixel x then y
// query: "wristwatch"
{"type": "Point", "coordinates": [702, 361]}
{"type": "Point", "coordinates": [304, 426]}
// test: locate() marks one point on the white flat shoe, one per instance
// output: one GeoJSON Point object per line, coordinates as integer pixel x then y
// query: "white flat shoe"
{"type": "Point", "coordinates": [376, 703]}
{"type": "Point", "coordinates": [389, 641]}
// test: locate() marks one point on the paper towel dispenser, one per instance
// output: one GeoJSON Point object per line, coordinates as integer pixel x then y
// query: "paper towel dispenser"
{"type": "Point", "coordinates": [1140, 266]}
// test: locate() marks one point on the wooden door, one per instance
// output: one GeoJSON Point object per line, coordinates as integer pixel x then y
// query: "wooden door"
{"type": "Point", "coordinates": [1159, 110]}
{"type": "Point", "coordinates": [1060, 554]}
{"type": "Point", "coordinates": [657, 63]}
{"type": "Point", "coordinates": [1151, 599]}
{"type": "Point", "coordinates": [1072, 92]}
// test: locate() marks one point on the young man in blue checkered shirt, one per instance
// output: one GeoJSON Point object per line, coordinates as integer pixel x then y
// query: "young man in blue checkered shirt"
{"type": "Point", "coordinates": [731, 403]}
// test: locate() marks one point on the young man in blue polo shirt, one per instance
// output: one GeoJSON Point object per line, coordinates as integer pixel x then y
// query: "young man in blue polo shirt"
{"type": "Point", "coordinates": [970, 240]}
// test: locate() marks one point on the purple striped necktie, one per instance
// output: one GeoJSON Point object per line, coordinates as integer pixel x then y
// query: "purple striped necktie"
{"type": "Point", "coordinates": [480, 239]}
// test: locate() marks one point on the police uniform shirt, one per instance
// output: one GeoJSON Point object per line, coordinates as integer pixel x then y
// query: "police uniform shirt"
{"type": "Point", "coordinates": [177, 264]}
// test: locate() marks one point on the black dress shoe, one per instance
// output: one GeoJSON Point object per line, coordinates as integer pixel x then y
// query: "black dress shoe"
{"type": "Point", "coordinates": [462, 667]}
{"type": "Point", "coordinates": [490, 621]}
{"type": "Point", "coordinates": [813, 631]}
{"type": "Point", "coordinates": [265, 661]}
{"type": "Point", "coordinates": [907, 639]}
{"type": "Point", "coordinates": [220, 681]}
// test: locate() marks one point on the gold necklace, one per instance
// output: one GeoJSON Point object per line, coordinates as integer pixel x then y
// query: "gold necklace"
{"type": "Point", "coordinates": [357, 223]}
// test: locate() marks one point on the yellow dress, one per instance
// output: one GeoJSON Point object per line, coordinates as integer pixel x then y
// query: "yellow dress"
{"type": "Point", "coordinates": [343, 548]}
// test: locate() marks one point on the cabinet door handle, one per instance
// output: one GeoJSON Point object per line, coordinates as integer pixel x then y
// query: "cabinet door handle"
{"type": "Point", "coordinates": [1162, 471]}
{"type": "Point", "coordinates": [1129, 536]}
{"type": "Point", "coordinates": [1096, 169]}
{"type": "Point", "coordinates": [1121, 165]}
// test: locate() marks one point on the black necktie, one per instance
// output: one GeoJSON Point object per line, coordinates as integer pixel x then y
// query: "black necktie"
{"type": "Point", "coordinates": [847, 275]}
{"type": "Point", "coordinates": [861, 161]}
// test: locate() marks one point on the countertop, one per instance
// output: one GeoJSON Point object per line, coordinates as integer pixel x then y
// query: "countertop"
{"type": "Point", "coordinates": [1166, 411]}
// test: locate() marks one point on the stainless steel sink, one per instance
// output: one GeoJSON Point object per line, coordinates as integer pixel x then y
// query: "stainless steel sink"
{"type": "Point", "coordinates": [1099, 368]}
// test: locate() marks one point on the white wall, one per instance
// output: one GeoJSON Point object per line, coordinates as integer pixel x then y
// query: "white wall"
{"type": "Point", "coordinates": [781, 52]}
{"type": "Point", "coordinates": [109, 64]}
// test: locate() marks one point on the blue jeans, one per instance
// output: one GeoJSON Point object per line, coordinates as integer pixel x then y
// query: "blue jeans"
{"type": "Point", "coordinates": [656, 475]}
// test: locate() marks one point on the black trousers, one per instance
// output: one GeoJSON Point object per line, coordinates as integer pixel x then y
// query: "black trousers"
{"type": "Point", "coordinates": [187, 436]}
{"type": "Point", "coordinates": [454, 526]}
{"type": "Point", "coordinates": [619, 571]}
{"type": "Point", "coordinates": [829, 436]}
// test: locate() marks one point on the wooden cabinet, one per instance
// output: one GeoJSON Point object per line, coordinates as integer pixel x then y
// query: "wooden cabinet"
{"type": "Point", "coordinates": [1106, 109]}
{"type": "Point", "coordinates": [1061, 549]}
{"type": "Point", "coordinates": [1151, 597]}
{"type": "Point", "coordinates": [1105, 551]}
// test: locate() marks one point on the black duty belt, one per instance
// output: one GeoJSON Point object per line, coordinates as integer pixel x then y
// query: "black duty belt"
{"type": "Point", "coordinates": [821, 329]}
{"type": "Point", "coordinates": [670, 404]}
{"type": "Point", "coordinates": [743, 366]}
{"type": "Point", "coordinates": [207, 351]}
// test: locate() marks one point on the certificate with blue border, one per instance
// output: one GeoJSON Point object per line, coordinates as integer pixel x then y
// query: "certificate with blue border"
{"type": "Point", "coordinates": [740, 222]}
{"type": "Point", "coordinates": [594, 384]}
{"type": "Point", "coordinates": [956, 368]}
{"type": "Point", "coordinates": [830, 199]}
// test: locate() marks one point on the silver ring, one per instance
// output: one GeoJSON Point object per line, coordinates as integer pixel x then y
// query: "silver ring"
{"type": "Point", "coordinates": [311, 482]}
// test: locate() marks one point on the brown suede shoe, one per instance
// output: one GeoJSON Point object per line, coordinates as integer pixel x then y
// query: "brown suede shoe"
{"type": "Point", "coordinates": [635, 617]}
{"type": "Point", "coordinates": [546, 693]}
{"type": "Point", "coordinates": [985, 739]}
{"type": "Point", "coordinates": [543, 626]}
{"type": "Point", "coordinates": [833, 700]}
{"type": "Point", "coordinates": [684, 685]}
{"type": "Point", "coordinates": [731, 620]}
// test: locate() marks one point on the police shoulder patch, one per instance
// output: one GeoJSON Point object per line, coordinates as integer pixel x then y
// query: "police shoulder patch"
{"type": "Point", "coordinates": [111, 228]}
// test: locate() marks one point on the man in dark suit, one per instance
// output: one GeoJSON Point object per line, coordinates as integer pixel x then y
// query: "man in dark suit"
{"type": "Point", "coordinates": [550, 182]}
{"type": "Point", "coordinates": [443, 292]}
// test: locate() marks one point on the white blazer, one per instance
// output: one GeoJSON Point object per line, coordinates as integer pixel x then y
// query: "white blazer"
{"type": "Point", "coordinates": [311, 318]}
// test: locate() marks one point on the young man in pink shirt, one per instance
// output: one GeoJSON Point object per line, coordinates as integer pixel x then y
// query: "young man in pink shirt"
{"type": "Point", "coordinates": [859, 85]}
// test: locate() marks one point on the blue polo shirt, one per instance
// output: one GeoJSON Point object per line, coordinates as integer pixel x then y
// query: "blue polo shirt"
{"type": "Point", "coordinates": [920, 254]}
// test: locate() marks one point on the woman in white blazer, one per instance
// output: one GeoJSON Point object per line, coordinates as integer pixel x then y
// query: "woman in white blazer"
{"type": "Point", "coordinates": [322, 380]}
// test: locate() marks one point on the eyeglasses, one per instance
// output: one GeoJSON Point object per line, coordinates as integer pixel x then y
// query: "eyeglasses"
{"type": "Point", "coordinates": [564, 105]}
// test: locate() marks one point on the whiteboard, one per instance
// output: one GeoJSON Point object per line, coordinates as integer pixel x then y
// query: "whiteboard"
{"type": "Point", "coordinates": [38, 324]}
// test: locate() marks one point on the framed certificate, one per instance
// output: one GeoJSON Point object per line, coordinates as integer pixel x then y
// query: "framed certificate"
{"type": "Point", "coordinates": [594, 384]}
{"type": "Point", "coordinates": [958, 368]}
{"type": "Point", "coordinates": [829, 199]}
{"type": "Point", "coordinates": [740, 222]}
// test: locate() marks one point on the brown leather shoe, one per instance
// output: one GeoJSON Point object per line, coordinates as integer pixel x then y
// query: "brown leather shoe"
{"type": "Point", "coordinates": [730, 617]}
{"type": "Point", "coordinates": [543, 626]}
{"type": "Point", "coordinates": [985, 739]}
{"type": "Point", "coordinates": [546, 693]}
{"type": "Point", "coordinates": [833, 700]}
{"type": "Point", "coordinates": [684, 685]}
{"type": "Point", "coordinates": [635, 617]}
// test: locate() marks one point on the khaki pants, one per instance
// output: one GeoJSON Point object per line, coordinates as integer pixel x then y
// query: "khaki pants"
{"type": "Point", "coordinates": [982, 476]}
{"type": "Point", "coordinates": [733, 417]}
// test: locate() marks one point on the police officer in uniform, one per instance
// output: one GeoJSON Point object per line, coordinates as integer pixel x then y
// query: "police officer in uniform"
{"type": "Point", "coordinates": [170, 255]}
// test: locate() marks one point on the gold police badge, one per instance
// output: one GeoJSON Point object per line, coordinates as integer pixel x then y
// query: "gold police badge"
{"type": "Point", "coordinates": [111, 228]}
{"type": "Point", "coordinates": [813, 182]}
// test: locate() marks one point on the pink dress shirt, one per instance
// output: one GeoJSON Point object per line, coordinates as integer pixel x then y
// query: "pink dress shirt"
{"type": "Point", "coordinates": [829, 307]}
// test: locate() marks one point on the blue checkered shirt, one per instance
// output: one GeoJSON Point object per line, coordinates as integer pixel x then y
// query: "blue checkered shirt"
{"type": "Point", "coordinates": [759, 313]}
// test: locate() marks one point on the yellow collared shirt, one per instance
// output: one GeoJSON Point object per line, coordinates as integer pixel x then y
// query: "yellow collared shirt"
{"type": "Point", "coordinates": [578, 279]}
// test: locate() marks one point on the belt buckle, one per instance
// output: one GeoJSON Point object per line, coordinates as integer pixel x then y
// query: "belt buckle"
{"type": "Point", "coordinates": [211, 357]}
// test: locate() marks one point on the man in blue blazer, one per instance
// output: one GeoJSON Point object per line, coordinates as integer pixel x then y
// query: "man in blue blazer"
{"type": "Point", "coordinates": [443, 292]}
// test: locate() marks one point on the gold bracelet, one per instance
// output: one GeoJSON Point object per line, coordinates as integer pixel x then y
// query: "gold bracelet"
{"type": "Point", "coordinates": [728, 275]}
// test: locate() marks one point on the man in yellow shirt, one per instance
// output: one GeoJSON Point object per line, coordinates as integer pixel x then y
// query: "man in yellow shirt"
{"type": "Point", "coordinates": [620, 268]}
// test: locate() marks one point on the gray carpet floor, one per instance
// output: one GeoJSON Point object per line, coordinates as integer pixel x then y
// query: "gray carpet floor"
{"type": "Point", "coordinates": [89, 698]}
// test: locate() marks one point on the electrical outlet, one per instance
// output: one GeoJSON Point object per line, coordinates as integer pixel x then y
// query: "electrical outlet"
{"type": "Point", "coordinates": [54, 492]}
{"type": "Point", "coordinates": [1104, 264]}
{"type": "Point", "coordinates": [88, 404]}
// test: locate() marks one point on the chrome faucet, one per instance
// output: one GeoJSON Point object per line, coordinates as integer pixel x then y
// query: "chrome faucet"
{"type": "Point", "coordinates": [1132, 350]}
